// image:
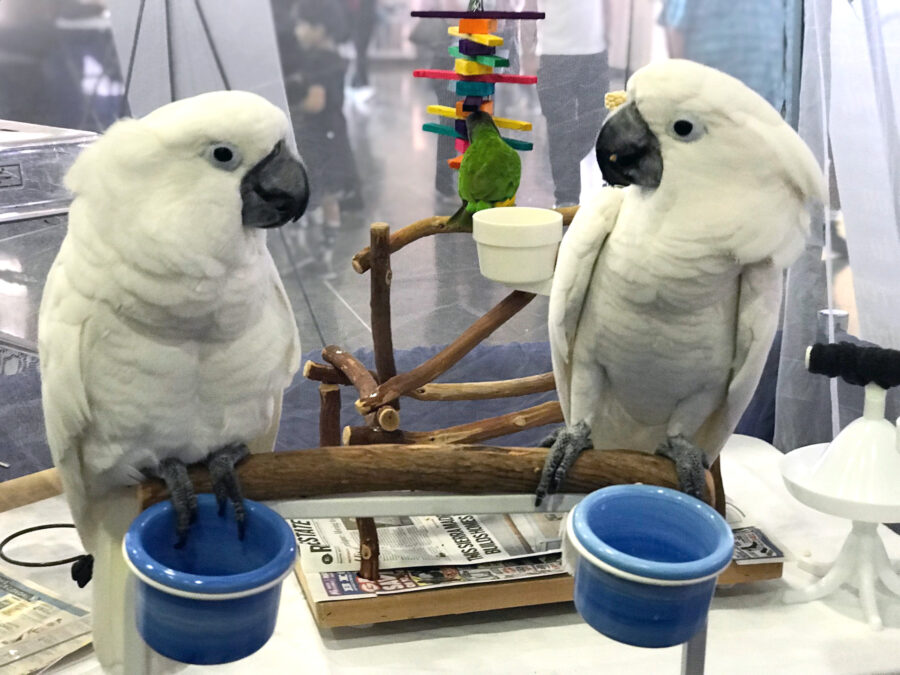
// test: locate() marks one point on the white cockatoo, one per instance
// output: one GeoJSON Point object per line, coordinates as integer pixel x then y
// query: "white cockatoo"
{"type": "Point", "coordinates": [165, 333]}
{"type": "Point", "coordinates": [666, 293]}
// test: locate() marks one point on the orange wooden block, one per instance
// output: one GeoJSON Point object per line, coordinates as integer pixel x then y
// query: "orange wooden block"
{"type": "Point", "coordinates": [455, 162]}
{"type": "Point", "coordinates": [477, 25]}
{"type": "Point", "coordinates": [487, 106]}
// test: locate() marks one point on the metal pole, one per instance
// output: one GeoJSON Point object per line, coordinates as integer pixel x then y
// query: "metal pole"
{"type": "Point", "coordinates": [693, 654]}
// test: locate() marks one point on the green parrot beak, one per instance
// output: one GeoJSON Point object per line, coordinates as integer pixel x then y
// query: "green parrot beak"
{"type": "Point", "coordinates": [627, 151]}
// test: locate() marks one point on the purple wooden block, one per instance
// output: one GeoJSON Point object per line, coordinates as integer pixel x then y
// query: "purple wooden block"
{"type": "Point", "coordinates": [461, 128]}
{"type": "Point", "coordinates": [472, 103]}
{"type": "Point", "coordinates": [470, 48]}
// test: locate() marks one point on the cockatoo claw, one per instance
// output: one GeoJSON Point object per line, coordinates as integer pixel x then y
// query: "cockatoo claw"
{"type": "Point", "coordinates": [690, 464]}
{"type": "Point", "coordinates": [225, 483]}
{"type": "Point", "coordinates": [567, 445]}
{"type": "Point", "coordinates": [181, 492]}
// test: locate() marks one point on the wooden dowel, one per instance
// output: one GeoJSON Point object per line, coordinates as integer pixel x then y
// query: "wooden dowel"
{"type": "Point", "coordinates": [368, 548]}
{"type": "Point", "coordinates": [370, 435]}
{"type": "Point", "coordinates": [380, 301]}
{"type": "Point", "coordinates": [492, 427]}
{"type": "Point", "coordinates": [472, 432]}
{"type": "Point", "coordinates": [447, 357]}
{"type": "Point", "coordinates": [474, 391]}
{"type": "Point", "coordinates": [426, 227]}
{"type": "Point", "coordinates": [460, 469]}
{"type": "Point", "coordinates": [352, 368]}
{"type": "Point", "coordinates": [329, 414]}
{"type": "Point", "coordinates": [388, 418]}
{"type": "Point", "coordinates": [324, 372]}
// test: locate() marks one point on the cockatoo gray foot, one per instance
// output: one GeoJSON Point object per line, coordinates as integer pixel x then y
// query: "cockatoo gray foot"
{"type": "Point", "coordinates": [225, 483]}
{"type": "Point", "coordinates": [567, 444]}
{"type": "Point", "coordinates": [550, 438]}
{"type": "Point", "coordinates": [690, 464]}
{"type": "Point", "coordinates": [181, 492]}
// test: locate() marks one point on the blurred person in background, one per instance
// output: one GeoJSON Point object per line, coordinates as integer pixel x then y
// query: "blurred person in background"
{"type": "Point", "coordinates": [744, 39]}
{"type": "Point", "coordinates": [309, 32]}
{"type": "Point", "coordinates": [573, 77]}
{"type": "Point", "coordinates": [362, 15]}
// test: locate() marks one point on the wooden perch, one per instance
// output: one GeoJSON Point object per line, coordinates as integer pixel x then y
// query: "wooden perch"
{"type": "Point", "coordinates": [460, 469]}
{"type": "Point", "coordinates": [358, 375]}
{"type": "Point", "coordinates": [380, 301]}
{"type": "Point", "coordinates": [472, 432]}
{"type": "Point", "coordinates": [474, 391]}
{"type": "Point", "coordinates": [329, 414]}
{"type": "Point", "coordinates": [447, 357]}
{"type": "Point", "coordinates": [426, 227]}
{"type": "Point", "coordinates": [368, 548]}
{"type": "Point", "coordinates": [324, 372]}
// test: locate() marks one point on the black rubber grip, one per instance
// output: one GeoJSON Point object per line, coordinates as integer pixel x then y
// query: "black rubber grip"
{"type": "Point", "coordinates": [855, 364]}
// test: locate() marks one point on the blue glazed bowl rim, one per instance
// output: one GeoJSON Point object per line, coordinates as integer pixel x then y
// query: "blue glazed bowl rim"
{"type": "Point", "coordinates": [695, 570]}
{"type": "Point", "coordinates": [166, 579]}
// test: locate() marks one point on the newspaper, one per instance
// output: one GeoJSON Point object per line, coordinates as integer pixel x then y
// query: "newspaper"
{"type": "Point", "coordinates": [36, 627]}
{"type": "Point", "coordinates": [327, 586]}
{"type": "Point", "coordinates": [752, 546]}
{"type": "Point", "coordinates": [332, 544]}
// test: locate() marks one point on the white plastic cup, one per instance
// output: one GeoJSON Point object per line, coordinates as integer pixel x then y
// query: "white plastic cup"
{"type": "Point", "coordinates": [517, 245]}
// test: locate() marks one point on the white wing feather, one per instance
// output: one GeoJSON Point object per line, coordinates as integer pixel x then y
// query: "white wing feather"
{"type": "Point", "coordinates": [575, 262]}
{"type": "Point", "coordinates": [757, 321]}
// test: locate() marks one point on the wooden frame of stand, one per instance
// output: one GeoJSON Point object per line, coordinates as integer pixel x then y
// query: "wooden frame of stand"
{"type": "Point", "coordinates": [380, 456]}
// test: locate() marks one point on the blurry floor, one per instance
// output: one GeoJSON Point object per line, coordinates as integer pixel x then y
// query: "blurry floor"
{"type": "Point", "coordinates": [437, 290]}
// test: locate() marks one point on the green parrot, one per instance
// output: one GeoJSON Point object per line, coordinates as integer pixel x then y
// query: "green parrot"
{"type": "Point", "coordinates": [489, 173]}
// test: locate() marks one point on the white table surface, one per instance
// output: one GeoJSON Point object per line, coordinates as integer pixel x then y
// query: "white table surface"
{"type": "Point", "coordinates": [750, 629]}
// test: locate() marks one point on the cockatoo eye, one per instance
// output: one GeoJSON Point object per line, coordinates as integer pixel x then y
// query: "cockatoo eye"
{"type": "Point", "coordinates": [686, 128]}
{"type": "Point", "coordinates": [224, 156]}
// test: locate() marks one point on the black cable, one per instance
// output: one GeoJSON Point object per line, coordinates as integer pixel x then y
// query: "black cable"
{"type": "Point", "coordinates": [28, 530]}
{"type": "Point", "coordinates": [212, 45]}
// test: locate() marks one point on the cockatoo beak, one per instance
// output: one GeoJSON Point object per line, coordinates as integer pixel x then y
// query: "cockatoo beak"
{"type": "Point", "coordinates": [627, 151]}
{"type": "Point", "coordinates": [275, 191]}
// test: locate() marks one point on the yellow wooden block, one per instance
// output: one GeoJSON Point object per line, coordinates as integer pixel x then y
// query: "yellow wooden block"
{"type": "Point", "coordinates": [480, 38]}
{"type": "Point", "coordinates": [518, 125]}
{"type": "Point", "coordinates": [442, 110]}
{"type": "Point", "coordinates": [465, 67]}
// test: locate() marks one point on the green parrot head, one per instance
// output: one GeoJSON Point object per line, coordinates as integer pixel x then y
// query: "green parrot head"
{"type": "Point", "coordinates": [480, 123]}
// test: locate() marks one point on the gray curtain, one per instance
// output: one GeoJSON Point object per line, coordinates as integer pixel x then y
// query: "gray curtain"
{"type": "Point", "coordinates": [847, 106]}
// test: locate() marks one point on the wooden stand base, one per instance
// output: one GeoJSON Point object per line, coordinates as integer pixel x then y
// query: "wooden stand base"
{"type": "Point", "coordinates": [478, 597]}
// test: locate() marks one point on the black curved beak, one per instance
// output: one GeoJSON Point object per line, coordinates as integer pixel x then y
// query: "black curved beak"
{"type": "Point", "coordinates": [275, 191]}
{"type": "Point", "coordinates": [627, 151]}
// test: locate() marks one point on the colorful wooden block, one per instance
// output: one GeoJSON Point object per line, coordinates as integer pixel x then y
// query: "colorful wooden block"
{"type": "Point", "coordinates": [482, 39]}
{"type": "Point", "coordinates": [478, 14]}
{"type": "Point", "coordinates": [455, 162]}
{"type": "Point", "coordinates": [466, 67]}
{"type": "Point", "coordinates": [470, 104]}
{"type": "Point", "coordinates": [460, 126]}
{"type": "Point", "coordinates": [516, 144]}
{"type": "Point", "coordinates": [477, 25]}
{"type": "Point", "coordinates": [517, 125]}
{"type": "Point", "coordinates": [469, 88]}
{"type": "Point", "coordinates": [441, 129]}
{"type": "Point", "coordinates": [491, 60]}
{"type": "Point", "coordinates": [435, 74]}
{"type": "Point", "coordinates": [461, 145]}
{"type": "Point", "coordinates": [470, 48]}
{"type": "Point", "coordinates": [442, 110]}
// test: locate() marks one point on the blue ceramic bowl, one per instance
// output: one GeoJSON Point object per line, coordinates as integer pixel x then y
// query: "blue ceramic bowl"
{"type": "Point", "coordinates": [648, 558]}
{"type": "Point", "coordinates": [214, 600]}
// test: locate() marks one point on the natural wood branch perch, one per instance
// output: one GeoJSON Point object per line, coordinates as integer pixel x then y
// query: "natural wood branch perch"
{"type": "Point", "coordinates": [472, 432]}
{"type": "Point", "coordinates": [324, 372]}
{"type": "Point", "coordinates": [352, 368]}
{"type": "Point", "coordinates": [380, 301]}
{"type": "Point", "coordinates": [461, 469]}
{"type": "Point", "coordinates": [329, 414]}
{"type": "Point", "coordinates": [474, 391]}
{"type": "Point", "coordinates": [368, 548]}
{"type": "Point", "coordinates": [447, 357]}
{"type": "Point", "coordinates": [428, 226]}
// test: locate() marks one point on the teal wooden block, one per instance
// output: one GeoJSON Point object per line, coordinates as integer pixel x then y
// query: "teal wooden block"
{"type": "Point", "coordinates": [470, 88]}
{"type": "Point", "coordinates": [442, 129]}
{"type": "Point", "coordinates": [516, 144]}
{"type": "Point", "coordinates": [484, 59]}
